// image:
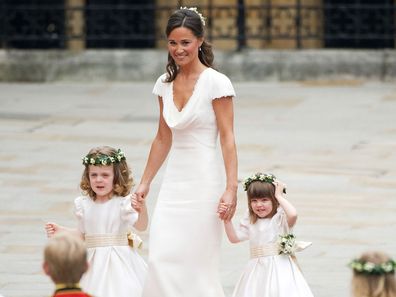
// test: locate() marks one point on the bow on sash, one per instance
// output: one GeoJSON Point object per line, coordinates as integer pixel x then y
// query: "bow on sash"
{"type": "Point", "coordinates": [302, 245]}
{"type": "Point", "coordinates": [134, 241]}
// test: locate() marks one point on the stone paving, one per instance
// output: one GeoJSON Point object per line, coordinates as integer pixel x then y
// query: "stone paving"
{"type": "Point", "coordinates": [332, 142]}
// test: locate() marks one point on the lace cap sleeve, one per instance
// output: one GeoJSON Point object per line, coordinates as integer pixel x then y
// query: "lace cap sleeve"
{"type": "Point", "coordinates": [128, 214]}
{"type": "Point", "coordinates": [221, 86]}
{"type": "Point", "coordinates": [79, 213]}
{"type": "Point", "coordinates": [159, 86]}
{"type": "Point", "coordinates": [242, 230]}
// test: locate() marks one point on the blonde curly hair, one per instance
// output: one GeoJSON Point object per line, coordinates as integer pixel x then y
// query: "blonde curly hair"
{"type": "Point", "coordinates": [123, 180]}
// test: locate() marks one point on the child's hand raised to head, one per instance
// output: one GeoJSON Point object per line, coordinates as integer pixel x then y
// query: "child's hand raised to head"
{"type": "Point", "coordinates": [280, 188]}
{"type": "Point", "coordinates": [51, 229]}
{"type": "Point", "coordinates": [138, 203]}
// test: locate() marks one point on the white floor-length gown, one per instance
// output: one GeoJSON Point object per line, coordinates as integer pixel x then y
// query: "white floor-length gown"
{"type": "Point", "coordinates": [185, 233]}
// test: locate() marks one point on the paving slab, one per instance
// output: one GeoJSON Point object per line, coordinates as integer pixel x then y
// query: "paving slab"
{"type": "Point", "coordinates": [332, 142]}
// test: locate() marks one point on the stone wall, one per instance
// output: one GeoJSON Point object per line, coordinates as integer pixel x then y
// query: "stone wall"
{"type": "Point", "coordinates": [146, 65]}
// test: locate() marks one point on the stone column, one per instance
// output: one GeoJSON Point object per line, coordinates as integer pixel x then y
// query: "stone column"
{"type": "Point", "coordinates": [256, 23]}
{"type": "Point", "coordinates": [224, 22]}
{"type": "Point", "coordinates": [75, 25]}
{"type": "Point", "coordinates": [283, 14]}
{"type": "Point", "coordinates": [161, 18]}
{"type": "Point", "coordinates": [314, 19]}
{"type": "Point", "coordinates": [221, 21]}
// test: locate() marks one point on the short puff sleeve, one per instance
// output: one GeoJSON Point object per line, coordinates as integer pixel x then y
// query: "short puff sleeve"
{"type": "Point", "coordinates": [128, 214]}
{"type": "Point", "coordinates": [280, 220]}
{"type": "Point", "coordinates": [79, 213]}
{"type": "Point", "coordinates": [221, 86]}
{"type": "Point", "coordinates": [159, 86]}
{"type": "Point", "coordinates": [242, 230]}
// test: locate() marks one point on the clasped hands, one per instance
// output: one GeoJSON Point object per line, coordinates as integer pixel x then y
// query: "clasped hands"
{"type": "Point", "coordinates": [227, 205]}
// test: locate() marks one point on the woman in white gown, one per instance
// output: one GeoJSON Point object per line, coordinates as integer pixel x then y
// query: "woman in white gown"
{"type": "Point", "coordinates": [195, 107]}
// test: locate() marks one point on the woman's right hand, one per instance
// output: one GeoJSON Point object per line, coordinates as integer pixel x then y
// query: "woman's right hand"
{"type": "Point", "coordinates": [51, 229]}
{"type": "Point", "coordinates": [138, 203]}
{"type": "Point", "coordinates": [142, 191]}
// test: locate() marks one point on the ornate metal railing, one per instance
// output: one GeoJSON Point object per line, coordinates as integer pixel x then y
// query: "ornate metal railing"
{"type": "Point", "coordinates": [54, 25]}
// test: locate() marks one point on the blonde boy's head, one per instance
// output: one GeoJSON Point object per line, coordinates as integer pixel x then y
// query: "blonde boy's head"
{"type": "Point", "coordinates": [65, 258]}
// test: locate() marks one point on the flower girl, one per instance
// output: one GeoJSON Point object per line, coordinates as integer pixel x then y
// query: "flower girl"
{"type": "Point", "coordinates": [106, 216]}
{"type": "Point", "coordinates": [271, 271]}
{"type": "Point", "coordinates": [373, 275]}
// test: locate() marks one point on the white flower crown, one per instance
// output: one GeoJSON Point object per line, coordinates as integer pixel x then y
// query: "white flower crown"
{"type": "Point", "coordinates": [371, 268]}
{"type": "Point", "coordinates": [197, 12]}
{"type": "Point", "coordinates": [101, 159]}
{"type": "Point", "coordinates": [261, 177]}
{"type": "Point", "coordinates": [265, 178]}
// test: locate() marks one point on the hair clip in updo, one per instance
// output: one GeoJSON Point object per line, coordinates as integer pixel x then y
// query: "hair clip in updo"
{"type": "Point", "coordinates": [197, 12]}
{"type": "Point", "coordinates": [261, 177]}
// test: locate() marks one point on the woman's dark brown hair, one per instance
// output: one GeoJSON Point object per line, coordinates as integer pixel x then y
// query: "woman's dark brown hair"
{"type": "Point", "coordinates": [191, 20]}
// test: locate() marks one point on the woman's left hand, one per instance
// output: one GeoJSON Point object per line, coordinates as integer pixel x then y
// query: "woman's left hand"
{"type": "Point", "coordinates": [227, 205]}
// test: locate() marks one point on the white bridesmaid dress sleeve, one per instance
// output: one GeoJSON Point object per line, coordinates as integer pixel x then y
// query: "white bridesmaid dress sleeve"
{"type": "Point", "coordinates": [280, 220]}
{"type": "Point", "coordinates": [128, 214]}
{"type": "Point", "coordinates": [242, 230]}
{"type": "Point", "coordinates": [221, 86]}
{"type": "Point", "coordinates": [79, 213]}
{"type": "Point", "coordinates": [159, 86]}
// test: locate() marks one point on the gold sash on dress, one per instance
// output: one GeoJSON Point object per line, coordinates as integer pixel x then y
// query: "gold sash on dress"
{"type": "Point", "coordinates": [103, 240]}
{"type": "Point", "coordinates": [272, 249]}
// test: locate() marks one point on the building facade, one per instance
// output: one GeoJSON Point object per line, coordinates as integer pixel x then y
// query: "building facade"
{"type": "Point", "coordinates": [231, 24]}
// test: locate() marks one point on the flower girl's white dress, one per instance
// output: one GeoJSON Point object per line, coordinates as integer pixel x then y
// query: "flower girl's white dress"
{"type": "Point", "coordinates": [114, 270]}
{"type": "Point", "coordinates": [268, 274]}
